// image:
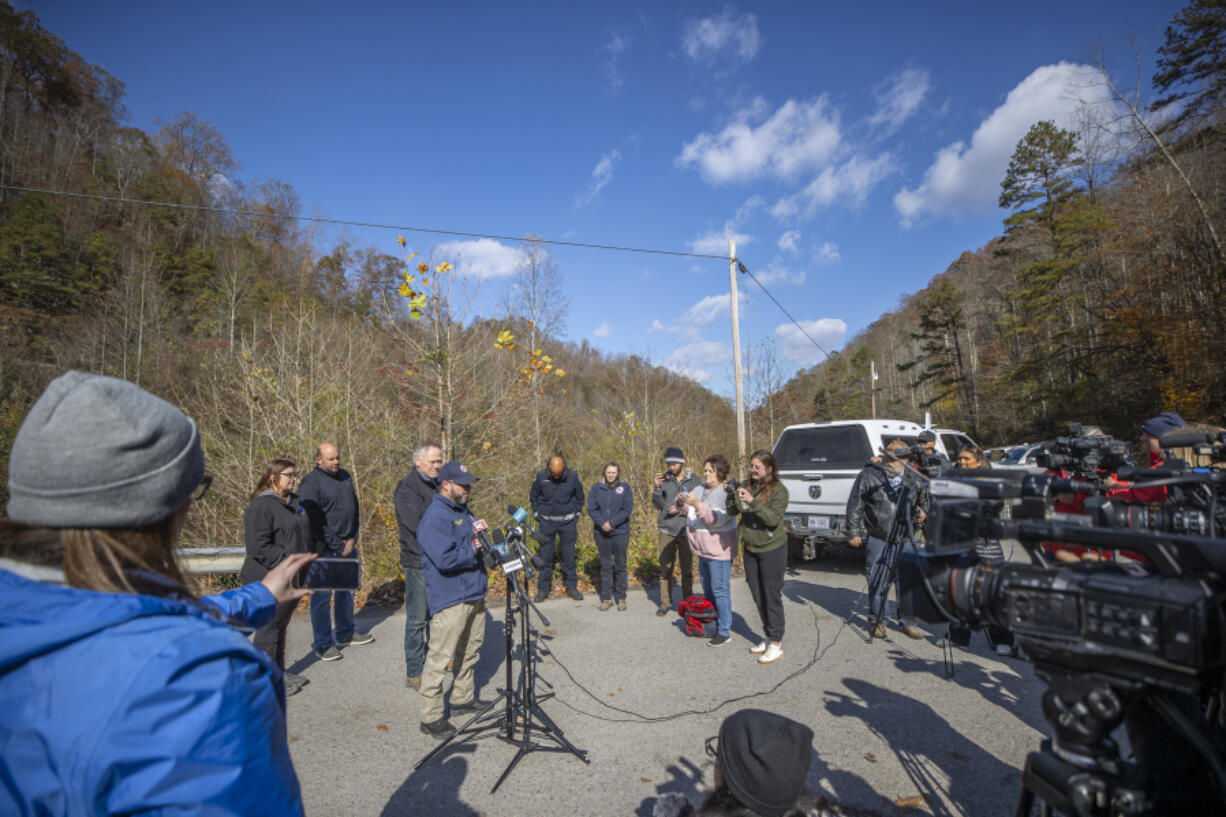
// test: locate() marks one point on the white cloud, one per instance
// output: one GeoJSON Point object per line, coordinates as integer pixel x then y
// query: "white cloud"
{"type": "Point", "coordinates": [799, 136]}
{"type": "Point", "coordinates": [483, 257]}
{"type": "Point", "coordinates": [827, 254]}
{"type": "Point", "coordinates": [851, 182]}
{"type": "Point", "coordinates": [788, 240]}
{"type": "Point", "coordinates": [602, 331]}
{"type": "Point", "coordinates": [794, 346]}
{"type": "Point", "coordinates": [657, 326]}
{"type": "Point", "coordinates": [713, 243]}
{"type": "Point", "coordinates": [707, 310]}
{"type": "Point", "coordinates": [613, 50]}
{"type": "Point", "coordinates": [602, 174]}
{"type": "Point", "coordinates": [723, 37]}
{"type": "Point", "coordinates": [964, 180]}
{"type": "Point", "coordinates": [898, 97]}
{"type": "Point", "coordinates": [777, 272]}
{"type": "Point", "coordinates": [694, 360]}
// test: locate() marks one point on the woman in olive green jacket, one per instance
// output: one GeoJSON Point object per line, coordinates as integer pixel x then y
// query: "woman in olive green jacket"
{"type": "Point", "coordinates": [760, 506]}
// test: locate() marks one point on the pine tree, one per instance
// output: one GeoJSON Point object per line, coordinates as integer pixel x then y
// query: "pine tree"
{"type": "Point", "coordinates": [1192, 63]}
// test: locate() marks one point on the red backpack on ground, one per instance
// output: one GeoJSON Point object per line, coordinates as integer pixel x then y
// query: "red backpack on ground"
{"type": "Point", "coordinates": [697, 611]}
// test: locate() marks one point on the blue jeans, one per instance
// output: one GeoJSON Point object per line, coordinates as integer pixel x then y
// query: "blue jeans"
{"type": "Point", "coordinates": [875, 552]}
{"type": "Point", "coordinates": [717, 587]}
{"type": "Point", "coordinates": [414, 621]}
{"type": "Point", "coordinates": [323, 604]}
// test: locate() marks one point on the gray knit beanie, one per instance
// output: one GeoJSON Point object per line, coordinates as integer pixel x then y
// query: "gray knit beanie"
{"type": "Point", "coordinates": [97, 452]}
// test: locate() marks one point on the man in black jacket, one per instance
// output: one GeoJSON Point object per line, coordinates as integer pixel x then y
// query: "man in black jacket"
{"type": "Point", "coordinates": [413, 496]}
{"type": "Point", "coordinates": [870, 512]}
{"type": "Point", "coordinates": [556, 498]}
{"type": "Point", "coordinates": [328, 497]}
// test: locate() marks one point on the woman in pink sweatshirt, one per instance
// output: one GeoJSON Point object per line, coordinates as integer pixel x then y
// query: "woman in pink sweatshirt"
{"type": "Point", "coordinates": [712, 536]}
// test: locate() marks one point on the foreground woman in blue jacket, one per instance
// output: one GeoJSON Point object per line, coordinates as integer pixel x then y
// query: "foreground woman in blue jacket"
{"type": "Point", "coordinates": [121, 690]}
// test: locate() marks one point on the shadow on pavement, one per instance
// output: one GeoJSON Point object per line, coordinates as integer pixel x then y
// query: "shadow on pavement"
{"type": "Point", "coordinates": [1002, 687]}
{"type": "Point", "coordinates": [921, 740]}
{"type": "Point", "coordinates": [685, 778]}
{"type": "Point", "coordinates": [434, 788]}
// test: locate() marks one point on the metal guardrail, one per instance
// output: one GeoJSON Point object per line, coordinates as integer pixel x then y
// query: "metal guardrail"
{"type": "Point", "coordinates": [211, 560]}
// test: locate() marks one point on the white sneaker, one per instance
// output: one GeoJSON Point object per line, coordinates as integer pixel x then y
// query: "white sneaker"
{"type": "Point", "coordinates": [759, 648]}
{"type": "Point", "coordinates": [1005, 650]}
{"type": "Point", "coordinates": [773, 653]}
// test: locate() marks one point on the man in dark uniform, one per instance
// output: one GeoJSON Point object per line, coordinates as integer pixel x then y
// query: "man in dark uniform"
{"type": "Point", "coordinates": [557, 497]}
{"type": "Point", "coordinates": [413, 496]}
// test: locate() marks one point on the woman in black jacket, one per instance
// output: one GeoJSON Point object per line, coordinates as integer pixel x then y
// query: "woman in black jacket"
{"type": "Point", "coordinates": [274, 526]}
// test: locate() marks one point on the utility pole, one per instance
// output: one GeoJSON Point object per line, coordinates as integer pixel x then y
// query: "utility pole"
{"type": "Point", "coordinates": [736, 359]}
{"type": "Point", "coordinates": [872, 386]}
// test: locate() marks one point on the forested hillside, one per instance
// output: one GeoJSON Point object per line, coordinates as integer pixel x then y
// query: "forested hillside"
{"type": "Point", "coordinates": [1104, 299]}
{"type": "Point", "coordinates": [274, 342]}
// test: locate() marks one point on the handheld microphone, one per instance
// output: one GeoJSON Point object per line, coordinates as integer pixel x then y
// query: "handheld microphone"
{"type": "Point", "coordinates": [487, 550]}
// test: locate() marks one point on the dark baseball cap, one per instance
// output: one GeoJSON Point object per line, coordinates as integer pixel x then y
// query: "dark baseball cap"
{"type": "Point", "coordinates": [457, 473]}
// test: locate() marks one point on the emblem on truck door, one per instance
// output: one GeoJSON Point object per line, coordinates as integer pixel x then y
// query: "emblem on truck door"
{"type": "Point", "coordinates": [815, 491]}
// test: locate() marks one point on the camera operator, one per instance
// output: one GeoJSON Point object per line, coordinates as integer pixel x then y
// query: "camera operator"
{"type": "Point", "coordinates": [1151, 452]}
{"type": "Point", "coordinates": [971, 458]}
{"type": "Point", "coordinates": [870, 510]}
{"type": "Point", "coordinates": [455, 595]}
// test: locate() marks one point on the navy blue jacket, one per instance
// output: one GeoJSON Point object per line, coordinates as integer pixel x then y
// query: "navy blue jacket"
{"type": "Point", "coordinates": [453, 571]}
{"type": "Point", "coordinates": [332, 505]}
{"type": "Point", "coordinates": [612, 504]}
{"type": "Point", "coordinates": [557, 497]}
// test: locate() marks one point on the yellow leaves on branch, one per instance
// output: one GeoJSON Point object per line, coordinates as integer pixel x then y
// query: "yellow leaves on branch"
{"type": "Point", "coordinates": [506, 340]}
{"type": "Point", "coordinates": [443, 267]}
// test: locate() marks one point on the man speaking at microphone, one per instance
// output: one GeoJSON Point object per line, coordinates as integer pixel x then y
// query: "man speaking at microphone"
{"type": "Point", "coordinates": [455, 598]}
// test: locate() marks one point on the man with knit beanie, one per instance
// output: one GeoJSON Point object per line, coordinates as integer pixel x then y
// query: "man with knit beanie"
{"type": "Point", "coordinates": [673, 547]}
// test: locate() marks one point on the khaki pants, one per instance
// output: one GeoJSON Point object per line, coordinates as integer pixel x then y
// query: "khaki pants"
{"type": "Point", "coordinates": [675, 550]}
{"type": "Point", "coordinates": [456, 634]}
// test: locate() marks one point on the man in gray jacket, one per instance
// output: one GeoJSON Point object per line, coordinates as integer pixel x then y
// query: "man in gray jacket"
{"type": "Point", "coordinates": [673, 548]}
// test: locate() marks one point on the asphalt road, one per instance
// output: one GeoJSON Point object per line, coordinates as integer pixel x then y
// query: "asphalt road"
{"type": "Point", "coordinates": [893, 735]}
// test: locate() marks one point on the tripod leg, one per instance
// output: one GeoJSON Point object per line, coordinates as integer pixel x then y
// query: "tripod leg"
{"type": "Point", "coordinates": [554, 732]}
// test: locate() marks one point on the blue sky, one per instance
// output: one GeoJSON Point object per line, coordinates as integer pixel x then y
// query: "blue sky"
{"type": "Point", "coordinates": [853, 149]}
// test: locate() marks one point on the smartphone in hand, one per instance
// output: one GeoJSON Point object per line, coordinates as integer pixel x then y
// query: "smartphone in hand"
{"type": "Point", "coordinates": [330, 574]}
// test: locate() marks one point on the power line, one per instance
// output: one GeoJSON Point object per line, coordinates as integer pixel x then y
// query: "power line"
{"type": "Point", "coordinates": [409, 229]}
{"type": "Point", "coordinates": [347, 223]}
{"type": "Point", "coordinates": [742, 268]}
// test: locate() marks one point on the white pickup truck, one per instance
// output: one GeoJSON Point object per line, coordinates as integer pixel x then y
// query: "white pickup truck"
{"type": "Point", "coordinates": [818, 462]}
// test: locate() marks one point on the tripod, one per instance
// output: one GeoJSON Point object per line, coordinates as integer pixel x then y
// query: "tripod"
{"type": "Point", "coordinates": [901, 531]}
{"type": "Point", "coordinates": [1178, 765]}
{"type": "Point", "coordinates": [521, 718]}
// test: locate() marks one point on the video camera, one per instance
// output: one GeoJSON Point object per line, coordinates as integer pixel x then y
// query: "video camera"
{"type": "Point", "coordinates": [1086, 456]}
{"type": "Point", "coordinates": [1144, 651]}
{"type": "Point", "coordinates": [926, 461]}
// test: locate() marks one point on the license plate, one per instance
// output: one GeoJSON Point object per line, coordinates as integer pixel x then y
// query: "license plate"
{"type": "Point", "coordinates": [819, 523]}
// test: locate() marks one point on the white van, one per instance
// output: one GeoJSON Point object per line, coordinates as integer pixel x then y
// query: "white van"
{"type": "Point", "coordinates": [818, 462]}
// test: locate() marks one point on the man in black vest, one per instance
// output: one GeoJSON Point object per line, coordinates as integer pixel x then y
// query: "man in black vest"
{"type": "Point", "coordinates": [557, 498]}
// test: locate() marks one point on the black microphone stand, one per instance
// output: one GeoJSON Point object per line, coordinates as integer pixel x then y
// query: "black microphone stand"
{"type": "Point", "coordinates": [522, 718]}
